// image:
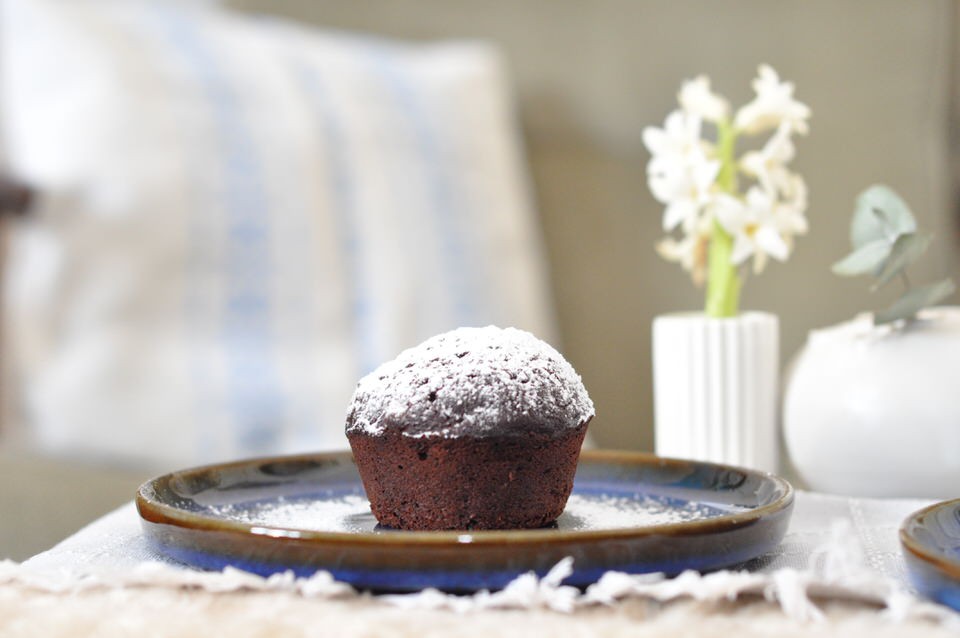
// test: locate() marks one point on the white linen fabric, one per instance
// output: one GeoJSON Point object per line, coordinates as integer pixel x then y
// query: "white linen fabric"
{"type": "Point", "coordinates": [238, 217]}
{"type": "Point", "coordinates": [836, 548]}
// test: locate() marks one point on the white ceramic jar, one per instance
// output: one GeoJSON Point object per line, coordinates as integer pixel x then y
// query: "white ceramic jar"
{"type": "Point", "coordinates": [875, 411]}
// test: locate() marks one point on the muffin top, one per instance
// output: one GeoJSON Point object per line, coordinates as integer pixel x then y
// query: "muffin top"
{"type": "Point", "coordinates": [474, 382]}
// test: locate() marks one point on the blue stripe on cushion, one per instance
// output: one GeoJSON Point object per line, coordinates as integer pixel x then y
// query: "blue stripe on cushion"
{"type": "Point", "coordinates": [447, 201]}
{"type": "Point", "coordinates": [253, 388]}
{"type": "Point", "coordinates": [344, 212]}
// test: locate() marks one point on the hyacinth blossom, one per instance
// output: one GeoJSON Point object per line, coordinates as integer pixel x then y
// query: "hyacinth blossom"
{"type": "Point", "coordinates": [714, 226]}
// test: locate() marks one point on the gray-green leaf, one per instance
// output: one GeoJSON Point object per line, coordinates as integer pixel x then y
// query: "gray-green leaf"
{"type": "Point", "coordinates": [909, 304]}
{"type": "Point", "coordinates": [906, 250]}
{"type": "Point", "coordinates": [880, 214]}
{"type": "Point", "coordinates": [866, 259]}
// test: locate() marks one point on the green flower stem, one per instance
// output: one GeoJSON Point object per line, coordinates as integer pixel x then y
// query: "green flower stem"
{"type": "Point", "coordinates": [723, 282]}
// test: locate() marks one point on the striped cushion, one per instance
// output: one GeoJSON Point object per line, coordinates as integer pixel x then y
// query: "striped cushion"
{"type": "Point", "coordinates": [240, 217]}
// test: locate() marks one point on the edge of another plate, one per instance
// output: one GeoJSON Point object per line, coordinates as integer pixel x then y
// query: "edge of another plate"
{"type": "Point", "coordinates": [931, 571]}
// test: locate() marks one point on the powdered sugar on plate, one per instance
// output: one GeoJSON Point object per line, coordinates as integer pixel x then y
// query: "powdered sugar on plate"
{"type": "Point", "coordinates": [345, 513]}
{"type": "Point", "coordinates": [350, 513]}
{"type": "Point", "coordinates": [601, 511]}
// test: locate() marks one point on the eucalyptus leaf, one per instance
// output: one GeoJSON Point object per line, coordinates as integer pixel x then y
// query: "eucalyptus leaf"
{"type": "Point", "coordinates": [880, 214]}
{"type": "Point", "coordinates": [910, 303]}
{"type": "Point", "coordinates": [907, 249]}
{"type": "Point", "coordinates": [866, 259]}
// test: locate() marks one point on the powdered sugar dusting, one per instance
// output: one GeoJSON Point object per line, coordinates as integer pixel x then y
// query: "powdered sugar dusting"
{"type": "Point", "coordinates": [471, 381]}
{"type": "Point", "coordinates": [350, 513]}
{"type": "Point", "coordinates": [601, 511]}
{"type": "Point", "coordinates": [345, 513]}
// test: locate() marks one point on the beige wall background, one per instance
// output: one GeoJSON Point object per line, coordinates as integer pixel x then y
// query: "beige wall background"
{"type": "Point", "coordinates": [590, 75]}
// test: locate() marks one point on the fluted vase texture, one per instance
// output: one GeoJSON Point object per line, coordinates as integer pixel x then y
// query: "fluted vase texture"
{"type": "Point", "coordinates": [715, 388]}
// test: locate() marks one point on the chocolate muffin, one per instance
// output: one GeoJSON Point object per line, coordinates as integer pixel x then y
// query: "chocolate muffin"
{"type": "Point", "coordinates": [477, 428]}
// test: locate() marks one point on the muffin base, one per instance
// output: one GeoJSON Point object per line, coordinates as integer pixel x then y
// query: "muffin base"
{"type": "Point", "coordinates": [464, 483]}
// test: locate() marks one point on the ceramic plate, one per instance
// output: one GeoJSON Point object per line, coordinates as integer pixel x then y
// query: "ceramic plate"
{"type": "Point", "coordinates": [628, 512]}
{"type": "Point", "coordinates": [931, 546]}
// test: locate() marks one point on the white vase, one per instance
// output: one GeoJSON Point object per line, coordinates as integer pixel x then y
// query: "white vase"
{"type": "Point", "coordinates": [715, 387]}
{"type": "Point", "coordinates": [875, 411]}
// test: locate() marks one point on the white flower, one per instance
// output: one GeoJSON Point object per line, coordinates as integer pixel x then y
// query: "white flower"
{"type": "Point", "coordinates": [684, 169]}
{"type": "Point", "coordinates": [696, 98]}
{"type": "Point", "coordinates": [679, 137]}
{"type": "Point", "coordinates": [768, 165]}
{"type": "Point", "coordinates": [753, 226]}
{"type": "Point", "coordinates": [684, 184]}
{"type": "Point", "coordinates": [789, 210]}
{"type": "Point", "coordinates": [680, 174]}
{"type": "Point", "coordinates": [773, 105]}
{"type": "Point", "coordinates": [788, 191]}
{"type": "Point", "coordinates": [691, 252]}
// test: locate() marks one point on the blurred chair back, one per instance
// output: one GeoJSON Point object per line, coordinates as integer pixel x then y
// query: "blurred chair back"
{"type": "Point", "coordinates": [238, 217]}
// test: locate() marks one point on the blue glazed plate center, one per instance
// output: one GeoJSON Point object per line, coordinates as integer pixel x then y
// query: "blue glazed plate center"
{"type": "Point", "coordinates": [591, 507]}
